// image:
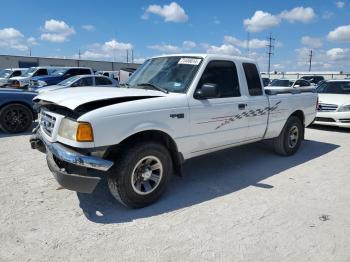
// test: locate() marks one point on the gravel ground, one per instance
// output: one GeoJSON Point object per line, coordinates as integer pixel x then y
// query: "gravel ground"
{"type": "Point", "coordinates": [242, 204]}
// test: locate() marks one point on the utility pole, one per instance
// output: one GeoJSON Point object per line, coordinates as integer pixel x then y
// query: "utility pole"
{"type": "Point", "coordinates": [310, 60]}
{"type": "Point", "coordinates": [127, 55]}
{"type": "Point", "coordinates": [132, 55]}
{"type": "Point", "coordinates": [248, 43]}
{"type": "Point", "coordinates": [30, 51]}
{"type": "Point", "coordinates": [270, 51]}
{"type": "Point", "coordinates": [79, 54]}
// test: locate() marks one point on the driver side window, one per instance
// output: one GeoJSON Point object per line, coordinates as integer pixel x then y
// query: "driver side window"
{"type": "Point", "coordinates": [224, 75]}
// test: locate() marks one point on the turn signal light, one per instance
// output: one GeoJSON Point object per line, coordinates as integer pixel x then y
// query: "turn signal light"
{"type": "Point", "coordinates": [84, 133]}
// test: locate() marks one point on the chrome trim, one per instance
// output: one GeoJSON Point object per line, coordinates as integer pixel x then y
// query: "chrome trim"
{"type": "Point", "coordinates": [70, 156]}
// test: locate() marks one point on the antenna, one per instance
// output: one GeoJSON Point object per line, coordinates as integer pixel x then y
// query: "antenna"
{"type": "Point", "coordinates": [271, 47]}
{"type": "Point", "coordinates": [310, 60]}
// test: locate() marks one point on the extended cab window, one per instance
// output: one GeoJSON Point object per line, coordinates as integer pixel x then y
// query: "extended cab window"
{"type": "Point", "coordinates": [41, 72]}
{"type": "Point", "coordinates": [224, 75]}
{"type": "Point", "coordinates": [253, 79]}
{"type": "Point", "coordinates": [86, 81]}
{"type": "Point", "coordinates": [16, 73]}
{"type": "Point", "coordinates": [84, 71]}
{"type": "Point", "coordinates": [102, 81]}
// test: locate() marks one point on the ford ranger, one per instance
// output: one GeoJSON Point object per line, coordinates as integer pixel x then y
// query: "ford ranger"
{"type": "Point", "coordinates": [173, 108]}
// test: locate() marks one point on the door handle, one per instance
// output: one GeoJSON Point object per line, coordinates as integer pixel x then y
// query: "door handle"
{"type": "Point", "coordinates": [242, 106]}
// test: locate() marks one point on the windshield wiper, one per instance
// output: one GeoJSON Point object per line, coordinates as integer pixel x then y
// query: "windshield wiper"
{"type": "Point", "coordinates": [154, 87]}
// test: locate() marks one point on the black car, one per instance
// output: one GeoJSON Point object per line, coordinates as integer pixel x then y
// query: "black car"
{"type": "Point", "coordinates": [16, 110]}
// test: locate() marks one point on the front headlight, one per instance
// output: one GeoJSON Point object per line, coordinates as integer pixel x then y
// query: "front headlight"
{"type": "Point", "coordinates": [42, 83]}
{"type": "Point", "coordinates": [77, 131]}
{"type": "Point", "coordinates": [344, 108]}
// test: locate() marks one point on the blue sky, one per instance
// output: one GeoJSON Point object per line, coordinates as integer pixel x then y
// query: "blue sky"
{"type": "Point", "coordinates": [104, 30]}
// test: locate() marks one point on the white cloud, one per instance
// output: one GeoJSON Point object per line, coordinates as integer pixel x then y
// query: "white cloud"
{"type": "Point", "coordinates": [340, 34]}
{"type": "Point", "coordinates": [260, 21]}
{"type": "Point", "coordinates": [56, 31]}
{"type": "Point", "coordinates": [114, 45]}
{"type": "Point", "coordinates": [11, 38]}
{"type": "Point", "coordinates": [171, 13]}
{"type": "Point", "coordinates": [216, 21]}
{"type": "Point", "coordinates": [32, 41]}
{"type": "Point", "coordinates": [340, 4]}
{"type": "Point", "coordinates": [338, 54]}
{"type": "Point", "coordinates": [225, 49]}
{"type": "Point", "coordinates": [189, 44]}
{"type": "Point", "coordinates": [312, 42]}
{"type": "Point", "coordinates": [253, 43]}
{"type": "Point", "coordinates": [88, 27]}
{"type": "Point", "coordinates": [165, 48]}
{"type": "Point", "coordinates": [327, 15]}
{"type": "Point", "coordinates": [110, 50]}
{"type": "Point", "coordinates": [299, 14]}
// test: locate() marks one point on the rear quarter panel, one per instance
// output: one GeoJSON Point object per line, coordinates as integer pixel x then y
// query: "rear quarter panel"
{"type": "Point", "coordinates": [282, 106]}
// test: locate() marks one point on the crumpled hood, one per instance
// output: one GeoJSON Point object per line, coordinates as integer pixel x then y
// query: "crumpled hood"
{"type": "Point", "coordinates": [335, 99]}
{"type": "Point", "coordinates": [74, 97]}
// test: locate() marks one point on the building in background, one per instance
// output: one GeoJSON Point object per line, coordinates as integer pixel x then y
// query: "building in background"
{"type": "Point", "coordinates": [11, 61]}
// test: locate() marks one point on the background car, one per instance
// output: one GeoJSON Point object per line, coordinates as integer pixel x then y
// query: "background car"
{"type": "Point", "coordinates": [334, 103]}
{"type": "Point", "coordinates": [313, 79]}
{"type": "Point", "coordinates": [82, 80]}
{"type": "Point", "coordinates": [16, 110]}
{"type": "Point", "coordinates": [6, 74]}
{"type": "Point", "coordinates": [293, 83]}
{"type": "Point", "coordinates": [59, 75]}
{"type": "Point", "coordinates": [24, 80]}
{"type": "Point", "coordinates": [266, 81]}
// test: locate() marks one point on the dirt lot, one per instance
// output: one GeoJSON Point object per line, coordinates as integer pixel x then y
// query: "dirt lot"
{"type": "Point", "coordinates": [243, 204]}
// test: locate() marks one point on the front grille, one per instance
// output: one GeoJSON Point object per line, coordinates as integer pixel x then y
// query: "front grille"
{"type": "Point", "coordinates": [345, 120]}
{"type": "Point", "coordinates": [327, 107]}
{"type": "Point", "coordinates": [47, 122]}
{"type": "Point", "coordinates": [324, 119]}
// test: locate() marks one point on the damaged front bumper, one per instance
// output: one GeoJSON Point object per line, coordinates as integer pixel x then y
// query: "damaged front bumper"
{"type": "Point", "coordinates": [57, 153]}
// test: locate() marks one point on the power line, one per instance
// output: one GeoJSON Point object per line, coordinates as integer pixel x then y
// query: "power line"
{"type": "Point", "coordinates": [271, 47]}
{"type": "Point", "coordinates": [310, 60]}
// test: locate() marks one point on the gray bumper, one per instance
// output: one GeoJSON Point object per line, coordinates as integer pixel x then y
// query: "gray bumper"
{"type": "Point", "coordinates": [80, 183]}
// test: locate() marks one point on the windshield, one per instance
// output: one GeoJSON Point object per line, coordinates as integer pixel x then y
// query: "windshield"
{"type": "Point", "coordinates": [334, 88]}
{"type": "Point", "coordinates": [173, 74]}
{"type": "Point", "coordinates": [59, 72]}
{"type": "Point", "coordinates": [68, 81]}
{"type": "Point", "coordinates": [5, 73]}
{"type": "Point", "coordinates": [281, 82]}
{"type": "Point", "coordinates": [29, 72]}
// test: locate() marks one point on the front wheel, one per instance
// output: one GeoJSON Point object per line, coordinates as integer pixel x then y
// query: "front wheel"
{"type": "Point", "coordinates": [139, 177]}
{"type": "Point", "coordinates": [15, 118]}
{"type": "Point", "coordinates": [289, 140]}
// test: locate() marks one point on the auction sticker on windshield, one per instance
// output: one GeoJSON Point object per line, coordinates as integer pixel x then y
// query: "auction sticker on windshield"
{"type": "Point", "coordinates": [189, 61]}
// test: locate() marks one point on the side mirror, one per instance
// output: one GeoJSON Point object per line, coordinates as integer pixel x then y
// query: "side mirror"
{"type": "Point", "coordinates": [207, 91]}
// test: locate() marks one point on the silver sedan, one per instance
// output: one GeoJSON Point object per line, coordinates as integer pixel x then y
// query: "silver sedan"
{"type": "Point", "coordinates": [81, 80]}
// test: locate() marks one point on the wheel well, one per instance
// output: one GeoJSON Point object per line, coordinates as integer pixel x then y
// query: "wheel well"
{"type": "Point", "coordinates": [157, 136]}
{"type": "Point", "coordinates": [299, 114]}
{"type": "Point", "coordinates": [21, 103]}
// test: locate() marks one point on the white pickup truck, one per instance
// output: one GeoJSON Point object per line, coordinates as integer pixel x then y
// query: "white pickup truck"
{"type": "Point", "coordinates": [171, 109]}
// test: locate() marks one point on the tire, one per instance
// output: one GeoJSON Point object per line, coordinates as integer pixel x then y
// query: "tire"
{"type": "Point", "coordinates": [289, 140]}
{"type": "Point", "coordinates": [132, 172]}
{"type": "Point", "coordinates": [15, 118]}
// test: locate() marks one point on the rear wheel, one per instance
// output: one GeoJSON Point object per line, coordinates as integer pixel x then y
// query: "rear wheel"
{"type": "Point", "coordinates": [139, 177]}
{"type": "Point", "coordinates": [289, 140]}
{"type": "Point", "coordinates": [15, 118]}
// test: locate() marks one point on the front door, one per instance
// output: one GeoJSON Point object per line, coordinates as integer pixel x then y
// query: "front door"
{"type": "Point", "coordinates": [218, 122]}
